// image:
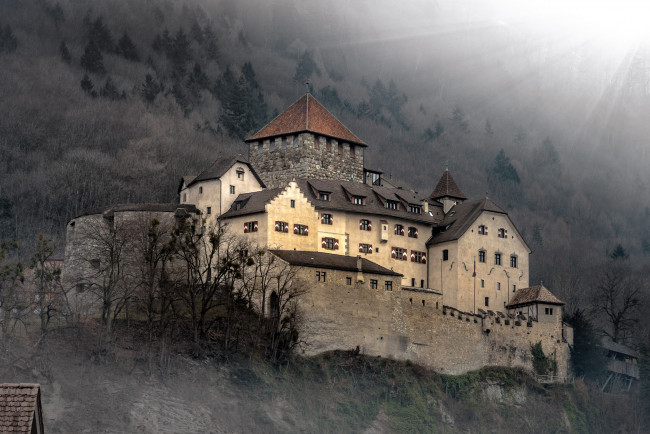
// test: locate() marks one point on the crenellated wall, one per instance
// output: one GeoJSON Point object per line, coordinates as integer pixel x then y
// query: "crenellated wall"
{"type": "Point", "coordinates": [414, 325]}
{"type": "Point", "coordinates": [277, 161]}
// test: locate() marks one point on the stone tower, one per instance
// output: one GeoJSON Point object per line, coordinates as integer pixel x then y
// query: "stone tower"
{"type": "Point", "coordinates": [306, 141]}
{"type": "Point", "coordinates": [447, 192]}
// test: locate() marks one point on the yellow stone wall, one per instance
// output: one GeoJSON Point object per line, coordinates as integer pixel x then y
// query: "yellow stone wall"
{"type": "Point", "coordinates": [458, 283]}
{"type": "Point", "coordinates": [216, 192]}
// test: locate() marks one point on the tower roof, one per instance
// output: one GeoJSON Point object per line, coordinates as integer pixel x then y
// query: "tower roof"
{"type": "Point", "coordinates": [447, 187]}
{"type": "Point", "coordinates": [306, 115]}
{"type": "Point", "coordinates": [534, 294]}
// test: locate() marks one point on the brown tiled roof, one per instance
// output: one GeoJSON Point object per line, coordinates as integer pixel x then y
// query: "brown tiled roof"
{"type": "Point", "coordinates": [18, 406]}
{"type": "Point", "coordinates": [447, 187]}
{"type": "Point", "coordinates": [219, 167]}
{"type": "Point", "coordinates": [306, 114]}
{"type": "Point", "coordinates": [610, 345]}
{"type": "Point", "coordinates": [534, 294]}
{"type": "Point", "coordinates": [460, 218]}
{"type": "Point", "coordinates": [252, 203]}
{"type": "Point", "coordinates": [331, 261]}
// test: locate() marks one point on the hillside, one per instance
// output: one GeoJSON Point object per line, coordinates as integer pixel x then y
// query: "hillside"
{"type": "Point", "coordinates": [340, 391]}
{"type": "Point", "coordinates": [112, 101]}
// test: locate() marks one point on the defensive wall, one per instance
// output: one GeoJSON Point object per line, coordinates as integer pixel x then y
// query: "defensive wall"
{"type": "Point", "coordinates": [412, 324]}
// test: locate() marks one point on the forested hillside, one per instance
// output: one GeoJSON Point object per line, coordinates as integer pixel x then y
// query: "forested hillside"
{"type": "Point", "coordinates": [113, 101]}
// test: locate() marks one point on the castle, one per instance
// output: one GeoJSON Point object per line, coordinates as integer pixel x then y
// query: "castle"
{"type": "Point", "coordinates": [437, 279]}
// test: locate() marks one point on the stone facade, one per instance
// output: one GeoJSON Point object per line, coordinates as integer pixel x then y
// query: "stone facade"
{"type": "Point", "coordinates": [306, 155]}
{"type": "Point", "coordinates": [413, 324]}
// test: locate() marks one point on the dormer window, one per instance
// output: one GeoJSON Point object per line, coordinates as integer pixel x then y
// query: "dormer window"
{"type": "Point", "coordinates": [482, 230]}
{"type": "Point", "coordinates": [323, 196]}
{"type": "Point", "coordinates": [415, 209]}
{"type": "Point", "coordinates": [358, 200]}
{"type": "Point", "coordinates": [391, 204]}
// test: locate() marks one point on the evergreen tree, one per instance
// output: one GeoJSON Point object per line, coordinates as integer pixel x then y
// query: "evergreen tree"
{"type": "Point", "coordinates": [163, 43]}
{"type": "Point", "coordinates": [619, 253]}
{"type": "Point", "coordinates": [87, 86]}
{"type": "Point", "coordinates": [196, 82]}
{"type": "Point", "coordinates": [180, 53]}
{"type": "Point", "coordinates": [242, 101]}
{"type": "Point", "coordinates": [305, 68]}
{"type": "Point", "coordinates": [92, 59]}
{"type": "Point", "coordinates": [65, 54]}
{"type": "Point", "coordinates": [197, 33]}
{"type": "Point", "coordinates": [8, 41]}
{"type": "Point", "coordinates": [503, 170]}
{"type": "Point", "coordinates": [458, 120]}
{"type": "Point", "coordinates": [150, 89]}
{"type": "Point", "coordinates": [110, 91]}
{"type": "Point", "coordinates": [587, 353]}
{"type": "Point", "coordinates": [99, 32]}
{"type": "Point", "coordinates": [55, 13]}
{"type": "Point", "coordinates": [126, 48]}
{"type": "Point", "coordinates": [181, 98]}
{"type": "Point", "coordinates": [488, 128]}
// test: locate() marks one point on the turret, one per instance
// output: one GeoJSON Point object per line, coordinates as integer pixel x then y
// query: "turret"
{"type": "Point", "coordinates": [447, 192]}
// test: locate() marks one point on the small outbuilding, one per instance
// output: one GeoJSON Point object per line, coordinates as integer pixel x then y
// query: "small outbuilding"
{"type": "Point", "coordinates": [20, 408]}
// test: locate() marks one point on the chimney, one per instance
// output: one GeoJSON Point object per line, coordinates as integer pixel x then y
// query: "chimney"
{"type": "Point", "coordinates": [359, 269]}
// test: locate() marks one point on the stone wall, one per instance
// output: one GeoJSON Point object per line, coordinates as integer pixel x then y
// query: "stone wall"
{"type": "Point", "coordinates": [414, 325]}
{"type": "Point", "coordinates": [279, 160]}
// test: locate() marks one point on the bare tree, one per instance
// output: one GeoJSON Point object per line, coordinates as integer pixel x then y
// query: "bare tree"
{"type": "Point", "coordinates": [617, 300]}
{"type": "Point", "coordinates": [12, 304]}
{"type": "Point", "coordinates": [46, 281]}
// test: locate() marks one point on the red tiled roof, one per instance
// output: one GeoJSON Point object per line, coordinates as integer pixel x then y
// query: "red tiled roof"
{"type": "Point", "coordinates": [307, 114]}
{"type": "Point", "coordinates": [534, 294]}
{"type": "Point", "coordinates": [18, 406]}
{"type": "Point", "coordinates": [447, 187]}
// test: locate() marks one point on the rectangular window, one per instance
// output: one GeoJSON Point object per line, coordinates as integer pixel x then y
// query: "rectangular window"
{"type": "Point", "coordinates": [365, 248]}
{"type": "Point", "coordinates": [498, 286]}
{"type": "Point", "coordinates": [389, 285]}
{"type": "Point", "coordinates": [281, 226]}
{"type": "Point", "coordinates": [419, 257]}
{"type": "Point", "coordinates": [481, 255]}
{"type": "Point", "coordinates": [445, 255]}
{"type": "Point", "coordinates": [352, 150]}
{"type": "Point", "coordinates": [232, 189]}
{"type": "Point", "coordinates": [250, 227]}
{"type": "Point", "coordinates": [482, 230]}
{"type": "Point", "coordinates": [240, 175]}
{"type": "Point", "coordinates": [323, 196]}
{"type": "Point", "coordinates": [340, 148]}
{"type": "Point", "coordinates": [487, 301]}
{"type": "Point", "coordinates": [301, 229]}
{"type": "Point", "coordinates": [399, 230]}
{"type": "Point", "coordinates": [326, 219]}
{"type": "Point", "coordinates": [413, 281]}
{"type": "Point", "coordinates": [209, 210]}
{"type": "Point", "coordinates": [548, 310]}
{"type": "Point", "coordinates": [482, 283]}
{"type": "Point", "coordinates": [514, 288]}
{"type": "Point", "coordinates": [348, 281]}
{"type": "Point", "coordinates": [415, 209]}
{"type": "Point", "coordinates": [357, 200]}
{"type": "Point", "coordinates": [422, 283]}
{"type": "Point", "coordinates": [399, 253]}
{"type": "Point", "coordinates": [320, 276]}
{"type": "Point", "coordinates": [200, 190]}
{"type": "Point", "coordinates": [293, 203]}
{"type": "Point", "coordinates": [497, 259]}
{"type": "Point", "coordinates": [413, 232]}
{"type": "Point", "coordinates": [365, 225]}
{"type": "Point", "coordinates": [330, 243]}
{"type": "Point", "coordinates": [391, 204]}
{"type": "Point", "coordinates": [373, 284]}
{"type": "Point", "coordinates": [501, 233]}
{"type": "Point", "coordinates": [513, 261]}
